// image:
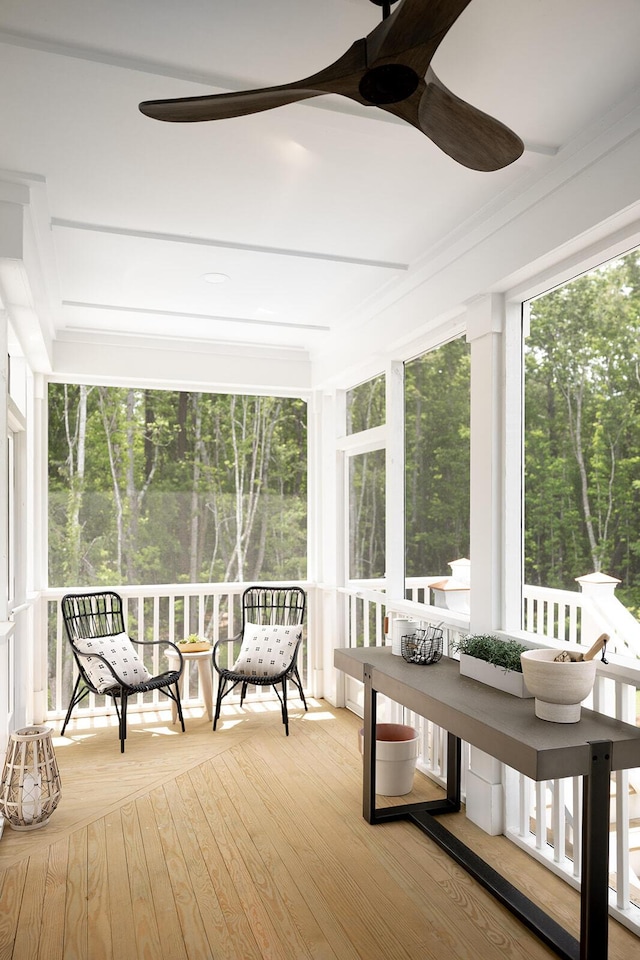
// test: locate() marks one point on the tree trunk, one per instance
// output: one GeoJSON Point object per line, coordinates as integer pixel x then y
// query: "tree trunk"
{"type": "Point", "coordinates": [109, 430]}
{"type": "Point", "coordinates": [575, 429]}
{"type": "Point", "coordinates": [251, 437]}
{"type": "Point", "coordinates": [194, 546]}
{"type": "Point", "coordinates": [76, 445]}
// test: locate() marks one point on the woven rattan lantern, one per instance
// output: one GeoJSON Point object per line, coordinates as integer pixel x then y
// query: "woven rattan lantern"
{"type": "Point", "coordinates": [30, 788]}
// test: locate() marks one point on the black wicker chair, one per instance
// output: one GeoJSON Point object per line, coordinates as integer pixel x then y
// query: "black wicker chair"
{"type": "Point", "coordinates": [108, 665]}
{"type": "Point", "coordinates": [269, 653]}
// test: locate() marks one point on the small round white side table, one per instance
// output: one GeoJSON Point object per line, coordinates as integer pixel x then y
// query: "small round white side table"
{"type": "Point", "coordinates": [205, 672]}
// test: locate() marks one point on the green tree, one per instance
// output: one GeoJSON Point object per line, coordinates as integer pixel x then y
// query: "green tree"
{"type": "Point", "coordinates": [582, 431]}
{"type": "Point", "coordinates": [365, 409]}
{"type": "Point", "coordinates": [175, 486]}
{"type": "Point", "coordinates": [367, 515]}
{"type": "Point", "coordinates": [366, 405]}
{"type": "Point", "coordinates": [437, 445]}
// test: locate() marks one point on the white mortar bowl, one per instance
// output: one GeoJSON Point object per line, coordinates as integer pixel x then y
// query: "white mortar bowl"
{"type": "Point", "coordinates": [559, 687]}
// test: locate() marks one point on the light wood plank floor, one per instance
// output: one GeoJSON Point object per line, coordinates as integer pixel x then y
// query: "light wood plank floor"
{"type": "Point", "coordinates": [245, 844]}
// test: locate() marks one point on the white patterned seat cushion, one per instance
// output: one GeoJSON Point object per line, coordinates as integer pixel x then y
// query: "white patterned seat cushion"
{"type": "Point", "coordinates": [267, 649]}
{"type": "Point", "coordinates": [119, 652]}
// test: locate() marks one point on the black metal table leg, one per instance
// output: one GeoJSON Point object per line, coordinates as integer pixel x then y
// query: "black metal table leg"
{"type": "Point", "coordinates": [450, 804]}
{"type": "Point", "coordinates": [454, 764]}
{"type": "Point", "coordinates": [594, 901]}
{"type": "Point", "coordinates": [369, 772]}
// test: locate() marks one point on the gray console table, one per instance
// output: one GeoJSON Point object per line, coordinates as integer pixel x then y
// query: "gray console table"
{"type": "Point", "coordinates": [506, 728]}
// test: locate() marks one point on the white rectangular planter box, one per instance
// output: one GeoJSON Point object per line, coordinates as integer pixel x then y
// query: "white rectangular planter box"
{"type": "Point", "coordinates": [507, 680]}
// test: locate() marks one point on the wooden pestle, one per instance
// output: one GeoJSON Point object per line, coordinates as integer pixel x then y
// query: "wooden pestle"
{"type": "Point", "coordinates": [595, 648]}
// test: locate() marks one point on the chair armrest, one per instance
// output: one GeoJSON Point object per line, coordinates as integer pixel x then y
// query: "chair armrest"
{"type": "Point", "coordinates": [165, 643]}
{"type": "Point", "coordinates": [218, 644]}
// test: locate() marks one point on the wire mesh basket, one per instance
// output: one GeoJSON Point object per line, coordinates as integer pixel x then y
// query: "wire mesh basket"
{"type": "Point", "coordinates": [423, 646]}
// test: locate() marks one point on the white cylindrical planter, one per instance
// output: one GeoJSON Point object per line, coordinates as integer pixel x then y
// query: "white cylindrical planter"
{"type": "Point", "coordinates": [401, 627]}
{"type": "Point", "coordinates": [396, 758]}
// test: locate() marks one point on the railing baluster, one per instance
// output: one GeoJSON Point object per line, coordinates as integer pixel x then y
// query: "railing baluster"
{"type": "Point", "coordinates": [573, 624]}
{"type": "Point", "coordinates": [524, 785]}
{"type": "Point", "coordinates": [366, 625]}
{"type": "Point", "coordinates": [557, 820]}
{"type": "Point", "coordinates": [576, 834]}
{"type": "Point", "coordinates": [623, 880]}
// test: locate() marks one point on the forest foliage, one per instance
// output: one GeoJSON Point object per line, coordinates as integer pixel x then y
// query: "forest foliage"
{"type": "Point", "coordinates": [437, 456]}
{"type": "Point", "coordinates": [437, 437]}
{"type": "Point", "coordinates": [151, 486]}
{"type": "Point", "coordinates": [582, 431]}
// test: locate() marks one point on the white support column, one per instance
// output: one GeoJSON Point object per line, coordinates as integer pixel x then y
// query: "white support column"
{"type": "Point", "coordinates": [37, 574]}
{"type": "Point", "coordinates": [485, 324]}
{"type": "Point", "coordinates": [394, 496]}
{"type": "Point", "coordinates": [329, 526]}
{"type": "Point", "coordinates": [395, 480]}
{"type": "Point", "coordinates": [21, 545]}
{"type": "Point", "coordinates": [37, 472]}
{"type": "Point", "coordinates": [485, 321]}
{"type": "Point", "coordinates": [314, 549]}
{"type": "Point", "coordinates": [515, 331]}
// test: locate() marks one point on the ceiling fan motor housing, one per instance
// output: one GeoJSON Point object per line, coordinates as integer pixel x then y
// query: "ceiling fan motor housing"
{"type": "Point", "coordinates": [388, 83]}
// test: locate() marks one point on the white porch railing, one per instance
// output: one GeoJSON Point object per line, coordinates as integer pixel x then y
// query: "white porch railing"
{"type": "Point", "coordinates": [552, 613]}
{"type": "Point", "coordinates": [569, 616]}
{"type": "Point", "coordinates": [163, 612]}
{"type": "Point", "coordinates": [545, 818]}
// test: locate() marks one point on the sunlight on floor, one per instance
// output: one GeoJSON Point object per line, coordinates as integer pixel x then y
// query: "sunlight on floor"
{"type": "Point", "coordinates": [83, 727]}
{"type": "Point", "coordinates": [159, 731]}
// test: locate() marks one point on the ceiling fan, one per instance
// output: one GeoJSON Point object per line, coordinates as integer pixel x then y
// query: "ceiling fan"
{"type": "Point", "coordinates": [390, 69]}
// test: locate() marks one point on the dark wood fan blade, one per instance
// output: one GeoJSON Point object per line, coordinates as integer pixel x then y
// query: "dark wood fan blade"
{"type": "Point", "coordinates": [414, 31]}
{"type": "Point", "coordinates": [224, 105]}
{"type": "Point", "coordinates": [341, 77]}
{"type": "Point", "coordinates": [466, 134]}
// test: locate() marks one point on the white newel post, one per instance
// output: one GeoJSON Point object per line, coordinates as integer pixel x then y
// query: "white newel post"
{"type": "Point", "coordinates": [485, 324]}
{"type": "Point", "coordinates": [598, 589]}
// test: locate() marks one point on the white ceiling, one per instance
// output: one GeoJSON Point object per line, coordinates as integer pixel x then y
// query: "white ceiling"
{"type": "Point", "coordinates": [317, 211]}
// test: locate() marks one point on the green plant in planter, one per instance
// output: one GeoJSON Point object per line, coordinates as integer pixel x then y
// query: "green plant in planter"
{"type": "Point", "coordinates": [192, 638]}
{"type": "Point", "coordinates": [501, 653]}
